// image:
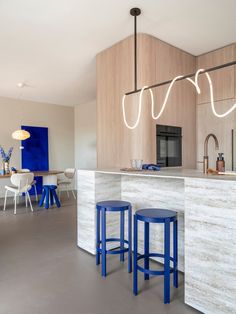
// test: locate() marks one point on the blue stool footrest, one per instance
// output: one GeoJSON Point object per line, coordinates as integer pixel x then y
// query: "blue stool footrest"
{"type": "Point", "coordinates": [115, 250]}
{"type": "Point", "coordinates": [150, 271]}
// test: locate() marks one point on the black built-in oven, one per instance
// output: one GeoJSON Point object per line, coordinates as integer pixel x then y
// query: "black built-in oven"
{"type": "Point", "coordinates": [169, 145]}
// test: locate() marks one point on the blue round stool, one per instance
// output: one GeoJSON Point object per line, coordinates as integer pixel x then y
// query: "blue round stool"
{"type": "Point", "coordinates": [102, 209]}
{"type": "Point", "coordinates": [154, 215]}
{"type": "Point", "coordinates": [49, 194]}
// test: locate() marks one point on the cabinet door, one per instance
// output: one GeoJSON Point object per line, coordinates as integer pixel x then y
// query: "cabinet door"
{"type": "Point", "coordinates": [223, 80]}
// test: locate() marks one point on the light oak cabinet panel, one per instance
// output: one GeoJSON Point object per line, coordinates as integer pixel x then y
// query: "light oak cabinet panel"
{"type": "Point", "coordinates": [157, 61]}
{"type": "Point", "coordinates": [223, 80]}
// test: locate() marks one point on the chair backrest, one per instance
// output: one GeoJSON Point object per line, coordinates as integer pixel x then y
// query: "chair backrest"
{"type": "Point", "coordinates": [24, 170]}
{"type": "Point", "coordinates": [22, 181]}
{"type": "Point", "coordinates": [70, 173]}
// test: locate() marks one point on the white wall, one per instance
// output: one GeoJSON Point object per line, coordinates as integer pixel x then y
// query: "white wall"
{"type": "Point", "coordinates": [85, 136]}
{"type": "Point", "coordinates": [58, 119]}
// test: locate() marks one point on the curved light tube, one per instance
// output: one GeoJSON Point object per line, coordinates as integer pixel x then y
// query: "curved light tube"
{"type": "Point", "coordinates": [139, 107]}
{"type": "Point", "coordinates": [196, 85]}
{"type": "Point", "coordinates": [166, 98]}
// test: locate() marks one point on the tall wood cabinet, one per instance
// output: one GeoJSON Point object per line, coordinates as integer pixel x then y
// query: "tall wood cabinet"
{"type": "Point", "coordinates": [224, 86]}
{"type": "Point", "coordinates": [157, 62]}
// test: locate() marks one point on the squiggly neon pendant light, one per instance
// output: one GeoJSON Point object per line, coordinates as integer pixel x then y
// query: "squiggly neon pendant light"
{"type": "Point", "coordinates": [135, 12]}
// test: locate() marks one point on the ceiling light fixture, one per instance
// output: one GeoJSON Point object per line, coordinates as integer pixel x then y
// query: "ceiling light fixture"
{"type": "Point", "coordinates": [20, 135]}
{"type": "Point", "coordinates": [136, 12]}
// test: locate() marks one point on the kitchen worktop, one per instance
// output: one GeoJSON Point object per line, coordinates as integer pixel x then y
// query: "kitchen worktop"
{"type": "Point", "coordinates": [175, 173]}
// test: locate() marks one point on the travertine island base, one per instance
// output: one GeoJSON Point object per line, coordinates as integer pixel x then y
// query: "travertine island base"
{"type": "Point", "coordinates": [206, 207]}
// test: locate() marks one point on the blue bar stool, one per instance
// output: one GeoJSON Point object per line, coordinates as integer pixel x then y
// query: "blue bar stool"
{"type": "Point", "coordinates": [49, 194]}
{"type": "Point", "coordinates": [154, 215]}
{"type": "Point", "coordinates": [102, 209]}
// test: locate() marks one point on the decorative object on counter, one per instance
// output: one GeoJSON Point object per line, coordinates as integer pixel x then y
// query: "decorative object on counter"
{"type": "Point", "coordinates": [136, 164]}
{"type": "Point", "coordinates": [21, 135]}
{"type": "Point", "coordinates": [212, 171]}
{"type": "Point", "coordinates": [6, 159]}
{"type": "Point", "coordinates": [151, 167]}
{"type": "Point", "coordinates": [220, 163]}
{"type": "Point", "coordinates": [13, 170]}
{"type": "Point", "coordinates": [136, 12]}
{"type": "Point", "coordinates": [157, 216]}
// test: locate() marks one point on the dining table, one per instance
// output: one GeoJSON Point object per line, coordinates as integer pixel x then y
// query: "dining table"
{"type": "Point", "coordinates": [49, 177]}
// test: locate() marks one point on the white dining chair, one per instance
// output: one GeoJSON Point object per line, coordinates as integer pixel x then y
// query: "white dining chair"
{"type": "Point", "coordinates": [66, 183]}
{"type": "Point", "coordinates": [33, 183]}
{"type": "Point", "coordinates": [21, 183]}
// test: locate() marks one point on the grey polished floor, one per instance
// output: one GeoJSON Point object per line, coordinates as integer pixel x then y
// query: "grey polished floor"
{"type": "Point", "coordinates": [43, 272]}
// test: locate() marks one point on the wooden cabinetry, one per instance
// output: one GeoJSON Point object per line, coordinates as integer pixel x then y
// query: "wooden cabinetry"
{"type": "Point", "coordinates": [224, 85]}
{"type": "Point", "coordinates": [157, 61]}
{"type": "Point", "coordinates": [223, 80]}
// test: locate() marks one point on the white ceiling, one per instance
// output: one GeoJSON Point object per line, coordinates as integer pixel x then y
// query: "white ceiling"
{"type": "Point", "coordinates": [51, 44]}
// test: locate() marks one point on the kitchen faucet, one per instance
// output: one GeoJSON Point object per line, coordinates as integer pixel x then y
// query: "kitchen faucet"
{"type": "Point", "coordinates": [206, 157]}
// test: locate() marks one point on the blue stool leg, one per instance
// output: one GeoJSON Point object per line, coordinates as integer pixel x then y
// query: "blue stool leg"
{"type": "Point", "coordinates": [104, 272]}
{"type": "Point", "coordinates": [56, 198]}
{"type": "Point", "coordinates": [167, 262]}
{"type": "Point", "coordinates": [98, 238]}
{"type": "Point", "coordinates": [122, 234]}
{"type": "Point", "coordinates": [135, 276]}
{"type": "Point", "coordinates": [47, 199]}
{"type": "Point", "coordinates": [51, 198]}
{"type": "Point", "coordinates": [146, 249]}
{"type": "Point", "coordinates": [42, 198]}
{"type": "Point", "coordinates": [175, 253]}
{"type": "Point", "coordinates": [130, 239]}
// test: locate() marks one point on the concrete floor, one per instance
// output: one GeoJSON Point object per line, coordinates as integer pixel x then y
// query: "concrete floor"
{"type": "Point", "coordinates": [43, 272]}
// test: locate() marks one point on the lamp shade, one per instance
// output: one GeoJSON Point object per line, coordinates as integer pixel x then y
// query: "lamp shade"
{"type": "Point", "coordinates": [20, 135]}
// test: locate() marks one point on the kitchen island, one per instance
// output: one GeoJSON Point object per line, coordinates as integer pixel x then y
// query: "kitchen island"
{"type": "Point", "coordinates": [206, 206]}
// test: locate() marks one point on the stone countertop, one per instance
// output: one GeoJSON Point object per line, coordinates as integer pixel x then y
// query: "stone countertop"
{"type": "Point", "coordinates": [176, 173]}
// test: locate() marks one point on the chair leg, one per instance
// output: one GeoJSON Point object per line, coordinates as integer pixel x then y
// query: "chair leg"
{"type": "Point", "coordinates": [135, 276]}
{"type": "Point", "coordinates": [73, 194]}
{"type": "Point", "coordinates": [42, 198]}
{"type": "Point", "coordinates": [59, 193]}
{"type": "Point", "coordinates": [56, 198]}
{"type": "Point", "coordinates": [15, 199]}
{"type": "Point", "coordinates": [98, 238]}
{"type": "Point", "coordinates": [146, 249]}
{"type": "Point", "coordinates": [130, 239]}
{"type": "Point", "coordinates": [175, 247]}
{"type": "Point", "coordinates": [29, 201]}
{"type": "Point", "coordinates": [26, 201]}
{"type": "Point", "coordinates": [122, 234]}
{"type": "Point", "coordinates": [5, 201]}
{"type": "Point", "coordinates": [36, 194]}
{"type": "Point", "coordinates": [104, 266]}
{"type": "Point", "coordinates": [47, 199]}
{"type": "Point", "coordinates": [167, 262]}
{"type": "Point", "coordinates": [67, 191]}
{"type": "Point", "coordinates": [51, 198]}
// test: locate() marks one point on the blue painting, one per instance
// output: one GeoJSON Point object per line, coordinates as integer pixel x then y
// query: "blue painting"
{"type": "Point", "coordinates": [35, 156]}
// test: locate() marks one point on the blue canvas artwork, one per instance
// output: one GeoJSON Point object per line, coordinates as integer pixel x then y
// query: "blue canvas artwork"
{"type": "Point", "coordinates": [35, 153]}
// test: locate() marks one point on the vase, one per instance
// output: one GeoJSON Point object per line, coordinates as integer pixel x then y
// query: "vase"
{"type": "Point", "coordinates": [6, 167]}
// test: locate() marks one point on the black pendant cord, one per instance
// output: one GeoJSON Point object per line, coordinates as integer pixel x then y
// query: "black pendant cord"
{"type": "Point", "coordinates": [135, 53]}
{"type": "Point", "coordinates": [184, 77]}
{"type": "Point", "coordinates": [135, 12]}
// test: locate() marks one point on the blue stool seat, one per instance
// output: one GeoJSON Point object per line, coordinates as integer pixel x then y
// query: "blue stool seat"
{"type": "Point", "coordinates": [49, 194]}
{"type": "Point", "coordinates": [164, 216]}
{"type": "Point", "coordinates": [102, 240]}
